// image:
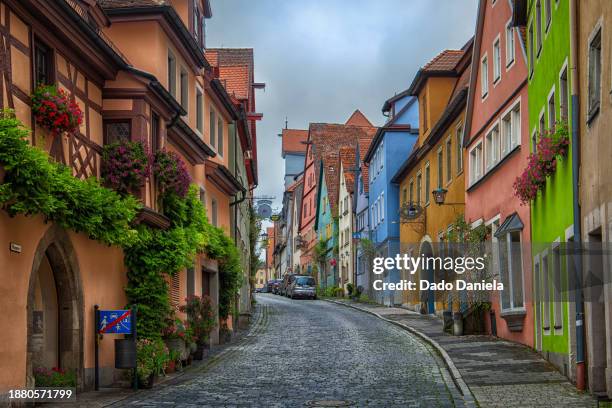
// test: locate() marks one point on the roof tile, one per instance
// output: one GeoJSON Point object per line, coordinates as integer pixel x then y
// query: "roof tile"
{"type": "Point", "coordinates": [294, 140]}
{"type": "Point", "coordinates": [445, 61]}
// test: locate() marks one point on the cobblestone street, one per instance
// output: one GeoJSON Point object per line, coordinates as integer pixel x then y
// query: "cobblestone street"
{"type": "Point", "coordinates": [302, 353]}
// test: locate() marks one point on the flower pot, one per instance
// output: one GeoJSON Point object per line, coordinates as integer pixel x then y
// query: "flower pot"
{"type": "Point", "coordinates": [148, 383]}
{"type": "Point", "coordinates": [175, 344]}
{"type": "Point", "coordinates": [201, 352]}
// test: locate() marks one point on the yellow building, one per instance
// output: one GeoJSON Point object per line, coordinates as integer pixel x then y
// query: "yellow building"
{"type": "Point", "coordinates": [436, 163]}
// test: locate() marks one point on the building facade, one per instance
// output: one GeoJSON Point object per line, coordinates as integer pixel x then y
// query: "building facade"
{"type": "Point", "coordinates": [496, 141]}
{"type": "Point", "coordinates": [391, 144]}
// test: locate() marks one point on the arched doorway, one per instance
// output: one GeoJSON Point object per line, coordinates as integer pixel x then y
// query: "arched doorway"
{"type": "Point", "coordinates": [55, 311]}
{"type": "Point", "coordinates": [427, 297]}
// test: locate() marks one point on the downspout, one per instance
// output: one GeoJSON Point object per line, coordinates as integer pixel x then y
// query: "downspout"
{"type": "Point", "coordinates": [575, 93]}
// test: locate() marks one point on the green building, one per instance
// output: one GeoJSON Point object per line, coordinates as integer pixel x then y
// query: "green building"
{"type": "Point", "coordinates": [547, 27]}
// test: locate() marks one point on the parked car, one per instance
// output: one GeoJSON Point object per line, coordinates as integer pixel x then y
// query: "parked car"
{"type": "Point", "coordinates": [258, 290]}
{"type": "Point", "coordinates": [269, 286]}
{"type": "Point", "coordinates": [276, 286]}
{"type": "Point", "coordinates": [302, 287]}
{"type": "Point", "coordinates": [287, 279]}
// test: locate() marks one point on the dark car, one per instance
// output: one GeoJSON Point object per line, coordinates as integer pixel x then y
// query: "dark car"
{"type": "Point", "coordinates": [269, 286]}
{"type": "Point", "coordinates": [276, 286]}
{"type": "Point", "coordinates": [302, 287]}
{"type": "Point", "coordinates": [258, 290]}
{"type": "Point", "coordinates": [287, 279]}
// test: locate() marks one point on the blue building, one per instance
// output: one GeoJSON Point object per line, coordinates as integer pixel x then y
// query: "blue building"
{"type": "Point", "coordinates": [392, 144]}
{"type": "Point", "coordinates": [294, 153]}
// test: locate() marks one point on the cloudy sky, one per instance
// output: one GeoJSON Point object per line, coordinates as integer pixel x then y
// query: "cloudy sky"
{"type": "Point", "coordinates": [322, 59]}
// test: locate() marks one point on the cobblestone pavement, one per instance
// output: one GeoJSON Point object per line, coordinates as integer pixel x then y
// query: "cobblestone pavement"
{"type": "Point", "coordinates": [499, 373]}
{"type": "Point", "coordinates": [300, 353]}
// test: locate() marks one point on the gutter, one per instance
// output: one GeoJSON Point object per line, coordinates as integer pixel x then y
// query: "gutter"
{"type": "Point", "coordinates": [575, 94]}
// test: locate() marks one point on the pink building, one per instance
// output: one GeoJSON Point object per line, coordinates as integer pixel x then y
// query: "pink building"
{"type": "Point", "coordinates": [496, 140]}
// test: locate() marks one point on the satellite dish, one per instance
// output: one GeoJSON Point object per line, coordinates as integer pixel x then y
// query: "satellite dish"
{"type": "Point", "coordinates": [264, 210]}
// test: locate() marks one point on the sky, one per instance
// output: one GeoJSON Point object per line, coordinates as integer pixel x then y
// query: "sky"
{"type": "Point", "coordinates": [322, 59]}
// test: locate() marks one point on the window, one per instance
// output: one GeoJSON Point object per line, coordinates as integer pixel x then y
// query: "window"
{"type": "Point", "coordinates": [449, 160]}
{"type": "Point", "coordinates": [542, 124]}
{"type": "Point", "coordinates": [556, 281]}
{"type": "Point", "coordinates": [116, 131]}
{"type": "Point", "coordinates": [459, 148]}
{"type": "Point", "coordinates": [427, 183]}
{"type": "Point", "coordinates": [411, 191]}
{"type": "Point", "coordinates": [382, 206]}
{"type": "Point", "coordinates": [539, 26]}
{"type": "Point", "coordinates": [594, 85]}
{"type": "Point", "coordinates": [476, 163]}
{"type": "Point", "coordinates": [546, 287]}
{"type": "Point", "coordinates": [404, 196]}
{"type": "Point", "coordinates": [197, 27]}
{"type": "Point", "coordinates": [213, 212]}
{"type": "Point", "coordinates": [440, 168]}
{"type": "Point", "coordinates": [534, 141]}
{"type": "Point", "coordinates": [552, 111]}
{"type": "Point", "coordinates": [496, 61]}
{"type": "Point", "coordinates": [199, 112]}
{"type": "Point", "coordinates": [220, 136]}
{"type": "Point", "coordinates": [419, 188]}
{"type": "Point", "coordinates": [424, 111]}
{"type": "Point", "coordinates": [43, 63]}
{"type": "Point", "coordinates": [492, 147]}
{"type": "Point", "coordinates": [547, 4]}
{"type": "Point", "coordinates": [184, 89]}
{"type": "Point", "coordinates": [213, 133]}
{"type": "Point", "coordinates": [563, 95]}
{"type": "Point", "coordinates": [510, 130]}
{"type": "Point", "coordinates": [511, 270]}
{"type": "Point", "coordinates": [484, 77]}
{"type": "Point", "coordinates": [509, 44]}
{"type": "Point", "coordinates": [171, 73]}
{"type": "Point", "coordinates": [531, 45]}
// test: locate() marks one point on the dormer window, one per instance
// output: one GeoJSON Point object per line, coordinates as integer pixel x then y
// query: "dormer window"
{"type": "Point", "coordinates": [198, 24]}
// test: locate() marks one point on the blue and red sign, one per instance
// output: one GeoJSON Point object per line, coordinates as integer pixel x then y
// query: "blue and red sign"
{"type": "Point", "coordinates": [115, 322]}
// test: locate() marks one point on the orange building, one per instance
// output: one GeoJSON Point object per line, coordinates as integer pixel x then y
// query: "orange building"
{"type": "Point", "coordinates": [137, 73]}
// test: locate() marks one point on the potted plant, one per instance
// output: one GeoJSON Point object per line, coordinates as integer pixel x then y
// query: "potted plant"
{"type": "Point", "coordinates": [125, 166]}
{"type": "Point", "coordinates": [171, 175]}
{"type": "Point", "coordinates": [174, 334]}
{"type": "Point", "coordinates": [152, 358]}
{"type": "Point", "coordinates": [54, 377]}
{"type": "Point", "coordinates": [55, 111]}
{"type": "Point", "coordinates": [174, 360]}
{"type": "Point", "coordinates": [202, 319]}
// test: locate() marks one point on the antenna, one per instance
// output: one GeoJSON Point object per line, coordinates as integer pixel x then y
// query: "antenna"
{"type": "Point", "coordinates": [286, 123]}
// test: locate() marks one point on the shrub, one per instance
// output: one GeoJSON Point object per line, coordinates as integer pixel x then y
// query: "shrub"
{"type": "Point", "coordinates": [201, 317]}
{"type": "Point", "coordinates": [54, 111]}
{"type": "Point", "coordinates": [152, 356]}
{"type": "Point", "coordinates": [54, 377]}
{"type": "Point", "coordinates": [125, 166]}
{"type": "Point", "coordinates": [350, 288]}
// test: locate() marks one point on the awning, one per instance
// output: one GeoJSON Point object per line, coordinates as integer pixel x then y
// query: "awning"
{"type": "Point", "coordinates": [511, 223]}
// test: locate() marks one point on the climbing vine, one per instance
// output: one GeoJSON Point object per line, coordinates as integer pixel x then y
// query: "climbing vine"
{"type": "Point", "coordinates": [32, 184]}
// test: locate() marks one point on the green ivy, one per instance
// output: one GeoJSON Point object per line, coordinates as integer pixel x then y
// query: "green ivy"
{"type": "Point", "coordinates": [33, 184]}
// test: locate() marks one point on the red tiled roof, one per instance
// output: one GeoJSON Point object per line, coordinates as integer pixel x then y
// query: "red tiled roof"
{"type": "Point", "coordinates": [235, 67]}
{"type": "Point", "coordinates": [293, 186]}
{"type": "Point", "coordinates": [327, 139]}
{"type": "Point", "coordinates": [293, 140]}
{"type": "Point", "coordinates": [445, 61]}
{"type": "Point", "coordinates": [358, 119]}
{"type": "Point", "coordinates": [347, 159]}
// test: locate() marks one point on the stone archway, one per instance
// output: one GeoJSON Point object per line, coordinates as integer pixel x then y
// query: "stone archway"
{"type": "Point", "coordinates": [428, 303]}
{"type": "Point", "coordinates": [55, 308]}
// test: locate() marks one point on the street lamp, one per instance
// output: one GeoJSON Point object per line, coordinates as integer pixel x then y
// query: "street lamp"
{"type": "Point", "coordinates": [439, 196]}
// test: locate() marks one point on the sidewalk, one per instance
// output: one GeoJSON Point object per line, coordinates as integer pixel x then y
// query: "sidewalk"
{"type": "Point", "coordinates": [498, 373]}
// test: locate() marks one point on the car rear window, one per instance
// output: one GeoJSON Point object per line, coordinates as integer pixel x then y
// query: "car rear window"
{"type": "Point", "coordinates": [305, 281]}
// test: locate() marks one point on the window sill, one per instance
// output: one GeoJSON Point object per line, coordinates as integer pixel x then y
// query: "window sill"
{"type": "Point", "coordinates": [496, 80]}
{"type": "Point", "coordinates": [515, 319]}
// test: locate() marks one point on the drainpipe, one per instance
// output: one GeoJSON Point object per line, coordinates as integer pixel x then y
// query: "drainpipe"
{"type": "Point", "coordinates": [580, 346]}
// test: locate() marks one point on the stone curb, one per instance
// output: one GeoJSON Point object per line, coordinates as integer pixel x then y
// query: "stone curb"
{"type": "Point", "coordinates": [455, 374]}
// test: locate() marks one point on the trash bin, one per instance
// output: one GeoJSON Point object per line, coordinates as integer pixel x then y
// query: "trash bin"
{"type": "Point", "coordinates": [125, 353]}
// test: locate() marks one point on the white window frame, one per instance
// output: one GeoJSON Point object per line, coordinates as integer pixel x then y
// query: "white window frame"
{"type": "Point", "coordinates": [516, 105]}
{"type": "Point", "coordinates": [475, 176]}
{"type": "Point", "coordinates": [484, 76]}
{"type": "Point", "coordinates": [427, 183]}
{"type": "Point", "coordinates": [494, 144]}
{"type": "Point", "coordinates": [564, 70]}
{"type": "Point", "coordinates": [510, 45]}
{"type": "Point", "coordinates": [459, 133]}
{"type": "Point", "coordinates": [551, 120]}
{"type": "Point", "coordinates": [497, 60]}
{"type": "Point", "coordinates": [598, 29]}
